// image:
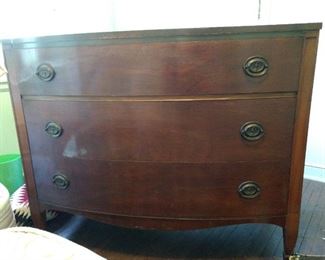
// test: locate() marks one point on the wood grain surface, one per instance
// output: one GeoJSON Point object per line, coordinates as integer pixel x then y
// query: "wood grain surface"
{"type": "Point", "coordinates": [187, 132]}
{"type": "Point", "coordinates": [151, 124]}
{"type": "Point", "coordinates": [159, 68]}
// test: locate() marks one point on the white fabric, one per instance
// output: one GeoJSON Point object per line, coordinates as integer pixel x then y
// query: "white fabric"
{"type": "Point", "coordinates": [7, 218]}
{"type": "Point", "coordinates": [25, 243]}
{"type": "Point", "coordinates": [4, 196]}
{"type": "Point", "coordinates": [2, 70]}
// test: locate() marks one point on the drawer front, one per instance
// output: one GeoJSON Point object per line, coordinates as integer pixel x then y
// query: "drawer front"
{"type": "Point", "coordinates": [161, 131]}
{"type": "Point", "coordinates": [163, 190]}
{"type": "Point", "coordinates": [166, 68]}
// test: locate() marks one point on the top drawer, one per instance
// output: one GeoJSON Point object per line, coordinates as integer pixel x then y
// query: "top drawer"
{"type": "Point", "coordinates": [160, 68]}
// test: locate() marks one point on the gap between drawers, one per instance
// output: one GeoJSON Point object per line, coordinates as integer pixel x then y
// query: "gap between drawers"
{"type": "Point", "coordinates": [162, 98]}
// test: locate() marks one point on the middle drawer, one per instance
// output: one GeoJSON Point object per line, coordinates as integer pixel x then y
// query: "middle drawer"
{"type": "Point", "coordinates": [186, 131]}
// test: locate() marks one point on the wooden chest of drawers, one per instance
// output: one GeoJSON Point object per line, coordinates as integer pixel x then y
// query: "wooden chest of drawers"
{"type": "Point", "coordinates": [167, 129]}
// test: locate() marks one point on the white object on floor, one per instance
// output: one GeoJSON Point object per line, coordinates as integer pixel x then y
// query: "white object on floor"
{"type": "Point", "coordinates": [34, 244]}
{"type": "Point", "coordinates": [3, 71]}
{"type": "Point", "coordinates": [7, 218]}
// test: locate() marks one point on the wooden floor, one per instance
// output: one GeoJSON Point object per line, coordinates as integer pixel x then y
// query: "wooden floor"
{"type": "Point", "coordinates": [241, 241]}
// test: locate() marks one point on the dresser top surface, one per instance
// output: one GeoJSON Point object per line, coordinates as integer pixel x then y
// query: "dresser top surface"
{"type": "Point", "coordinates": [161, 34]}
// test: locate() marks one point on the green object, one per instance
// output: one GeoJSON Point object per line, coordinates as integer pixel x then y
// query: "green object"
{"type": "Point", "coordinates": [8, 135]}
{"type": "Point", "coordinates": [11, 172]}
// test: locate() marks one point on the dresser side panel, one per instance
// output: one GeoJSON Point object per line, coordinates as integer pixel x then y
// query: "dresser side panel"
{"type": "Point", "coordinates": [37, 215]}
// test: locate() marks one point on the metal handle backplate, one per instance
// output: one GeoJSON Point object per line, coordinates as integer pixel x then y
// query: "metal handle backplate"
{"type": "Point", "coordinates": [256, 66]}
{"type": "Point", "coordinates": [249, 190]}
{"type": "Point", "coordinates": [60, 181]}
{"type": "Point", "coordinates": [252, 131]}
{"type": "Point", "coordinates": [53, 129]}
{"type": "Point", "coordinates": [45, 72]}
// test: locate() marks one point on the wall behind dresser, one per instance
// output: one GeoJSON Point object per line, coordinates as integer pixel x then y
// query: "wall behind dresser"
{"type": "Point", "coordinates": [292, 11]}
{"type": "Point", "coordinates": [63, 17]}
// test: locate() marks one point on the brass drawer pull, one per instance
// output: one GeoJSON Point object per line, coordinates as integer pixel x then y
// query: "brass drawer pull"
{"type": "Point", "coordinates": [45, 72]}
{"type": "Point", "coordinates": [256, 66]}
{"type": "Point", "coordinates": [249, 190]}
{"type": "Point", "coordinates": [252, 131]}
{"type": "Point", "coordinates": [53, 129]}
{"type": "Point", "coordinates": [60, 181]}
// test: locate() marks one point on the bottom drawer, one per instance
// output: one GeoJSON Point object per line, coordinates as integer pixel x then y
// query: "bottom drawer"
{"type": "Point", "coordinates": [171, 190]}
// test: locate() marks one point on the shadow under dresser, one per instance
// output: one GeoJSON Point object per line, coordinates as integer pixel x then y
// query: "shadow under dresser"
{"type": "Point", "coordinates": [166, 129]}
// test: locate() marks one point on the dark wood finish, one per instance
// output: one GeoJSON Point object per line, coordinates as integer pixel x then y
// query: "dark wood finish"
{"type": "Point", "coordinates": [36, 213]}
{"type": "Point", "coordinates": [167, 224]}
{"type": "Point", "coordinates": [187, 132]}
{"type": "Point", "coordinates": [151, 122]}
{"type": "Point", "coordinates": [245, 241]}
{"type": "Point", "coordinates": [300, 140]}
{"type": "Point", "coordinates": [164, 190]}
{"type": "Point", "coordinates": [160, 35]}
{"type": "Point", "coordinates": [168, 68]}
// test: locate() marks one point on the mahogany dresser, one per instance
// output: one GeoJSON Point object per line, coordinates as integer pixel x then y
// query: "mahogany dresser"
{"type": "Point", "coordinates": [166, 129]}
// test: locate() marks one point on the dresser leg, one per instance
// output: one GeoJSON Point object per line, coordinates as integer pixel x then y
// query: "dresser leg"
{"type": "Point", "coordinates": [289, 241]}
{"type": "Point", "coordinates": [39, 219]}
{"type": "Point", "coordinates": [290, 234]}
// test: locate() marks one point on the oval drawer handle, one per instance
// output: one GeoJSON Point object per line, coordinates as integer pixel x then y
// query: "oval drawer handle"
{"type": "Point", "coordinates": [45, 72]}
{"type": "Point", "coordinates": [53, 129]}
{"type": "Point", "coordinates": [256, 66]}
{"type": "Point", "coordinates": [60, 181]}
{"type": "Point", "coordinates": [249, 190]}
{"type": "Point", "coordinates": [252, 131]}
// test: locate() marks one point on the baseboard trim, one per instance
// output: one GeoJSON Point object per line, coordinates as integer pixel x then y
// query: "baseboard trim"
{"type": "Point", "coordinates": [314, 173]}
